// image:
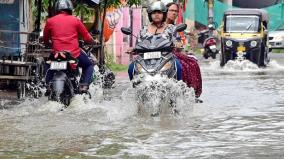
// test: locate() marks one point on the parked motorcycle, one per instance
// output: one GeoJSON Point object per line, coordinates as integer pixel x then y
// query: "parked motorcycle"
{"type": "Point", "coordinates": [64, 84]}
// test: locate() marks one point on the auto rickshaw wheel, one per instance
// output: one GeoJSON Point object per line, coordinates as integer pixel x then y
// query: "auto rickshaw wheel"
{"type": "Point", "coordinates": [261, 59]}
{"type": "Point", "coordinates": [223, 59]}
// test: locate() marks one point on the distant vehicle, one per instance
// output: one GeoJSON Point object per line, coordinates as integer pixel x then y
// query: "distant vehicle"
{"type": "Point", "coordinates": [244, 36]}
{"type": "Point", "coordinates": [209, 42]}
{"type": "Point", "coordinates": [276, 38]}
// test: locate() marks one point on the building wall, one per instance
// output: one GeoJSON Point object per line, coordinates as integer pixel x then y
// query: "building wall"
{"type": "Point", "coordinates": [119, 42]}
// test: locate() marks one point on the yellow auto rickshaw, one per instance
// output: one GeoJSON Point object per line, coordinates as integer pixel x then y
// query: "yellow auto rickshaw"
{"type": "Point", "coordinates": [244, 36]}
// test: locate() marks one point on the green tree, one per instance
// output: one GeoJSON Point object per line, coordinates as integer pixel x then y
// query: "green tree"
{"type": "Point", "coordinates": [80, 8]}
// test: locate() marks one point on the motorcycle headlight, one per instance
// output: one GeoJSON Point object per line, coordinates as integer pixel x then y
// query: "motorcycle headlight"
{"type": "Point", "coordinates": [167, 66]}
{"type": "Point", "coordinates": [229, 43]}
{"type": "Point", "coordinates": [253, 43]}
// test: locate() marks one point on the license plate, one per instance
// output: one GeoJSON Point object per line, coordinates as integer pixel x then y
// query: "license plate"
{"type": "Point", "coordinates": [212, 47]}
{"type": "Point", "coordinates": [58, 65]}
{"type": "Point", "coordinates": [240, 54]}
{"type": "Point", "coordinates": [152, 55]}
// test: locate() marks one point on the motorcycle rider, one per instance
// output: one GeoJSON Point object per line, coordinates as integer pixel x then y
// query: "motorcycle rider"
{"type": "Point", "coordinates": [207, 34]}
{"type": "Point", "coordinates": [63, 30]}
{"type": "Point", "coordinates": [191, 74]}
{"type": "Point", "coordinates": [157, 13]}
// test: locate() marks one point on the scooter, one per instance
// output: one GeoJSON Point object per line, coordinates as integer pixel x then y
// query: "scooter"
{"type": "Point", "coordinates": [210, 48]}
{"type": "Point", "coordinates": [154, 58]}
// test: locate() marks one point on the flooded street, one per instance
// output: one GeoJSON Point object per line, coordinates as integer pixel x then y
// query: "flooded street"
{"type": "Point", "coordinates": [242, 116]}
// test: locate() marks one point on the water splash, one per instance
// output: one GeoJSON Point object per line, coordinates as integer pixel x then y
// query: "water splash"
{"type": "Point", "coordinates": [244, 66]}
{"type": "Point", "coordinates": [160, 95]}
{"type": "Point", "coordinates": [275, 65]}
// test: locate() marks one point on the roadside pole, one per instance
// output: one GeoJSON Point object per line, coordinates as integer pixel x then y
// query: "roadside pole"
{"type": "Point", "coordinates": [102, 54]}
{"type": "Point", "coordinates": [210, 11]}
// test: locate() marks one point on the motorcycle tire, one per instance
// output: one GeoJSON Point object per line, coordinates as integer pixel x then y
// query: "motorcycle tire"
{"type": "Point", "coordinates": [62, 98]}
{"type": "Point", "coordinates": [205, 55]}
{"type": "Point", "coordinates": [213, 55]}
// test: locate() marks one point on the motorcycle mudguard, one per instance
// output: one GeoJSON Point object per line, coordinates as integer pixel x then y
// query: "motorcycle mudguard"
{"type": "Point", "coordinates": [59, 81]}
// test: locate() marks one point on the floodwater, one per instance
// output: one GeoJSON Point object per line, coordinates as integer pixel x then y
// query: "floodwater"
{"type": "Point", "coordinates": [242, 116]}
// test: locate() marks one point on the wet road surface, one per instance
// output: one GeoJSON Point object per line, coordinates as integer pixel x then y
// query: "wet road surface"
{"type": "Point", "coordinates": [242, 117]}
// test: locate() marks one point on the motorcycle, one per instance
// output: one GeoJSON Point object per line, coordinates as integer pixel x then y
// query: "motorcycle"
{"type": "Point", "coordinates": [209, 44]}
{"type": "Point", "coordinates": [64, 84]}
{"type": "Point", "coordinates": [154, 57]}
{"type": "Point", "coordinates": [210, 49]}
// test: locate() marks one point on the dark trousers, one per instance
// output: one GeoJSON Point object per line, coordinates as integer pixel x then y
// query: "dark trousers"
{"type": "Point", "coordinates": [87, 70]}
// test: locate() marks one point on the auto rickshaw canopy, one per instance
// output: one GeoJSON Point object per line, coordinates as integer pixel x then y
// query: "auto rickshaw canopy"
{"type": "Point", "coordinates": [260, 12]}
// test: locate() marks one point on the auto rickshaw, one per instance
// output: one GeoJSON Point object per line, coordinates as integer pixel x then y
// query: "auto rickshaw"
{"type": "Point", "coordinates": [244, 36]}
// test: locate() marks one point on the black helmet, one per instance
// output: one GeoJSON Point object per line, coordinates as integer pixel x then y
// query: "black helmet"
{"type": "Point", "coordinates": [157, 6]}
{"type": "Point", "coordinates": [63, 5]}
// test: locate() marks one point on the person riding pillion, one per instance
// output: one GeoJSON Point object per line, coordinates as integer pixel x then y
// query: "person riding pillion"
{"type": "Point", "coordinates": [191, 74]}
{"type": "Point", "coordinates": [63, 31]}
{"type": "Point", "coordinates": [157, 14]}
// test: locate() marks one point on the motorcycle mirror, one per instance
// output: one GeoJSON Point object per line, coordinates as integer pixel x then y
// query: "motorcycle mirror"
{"type": "Point", "coordinates": [126, 31]}
{"type": "Point", "coordinates": [180, 27]}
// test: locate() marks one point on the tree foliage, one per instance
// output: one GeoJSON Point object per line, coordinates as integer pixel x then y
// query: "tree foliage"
{"type": "Point", "coordinates": [116, 3]}
{"type": "Point", "coordinates": [80, 7]}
